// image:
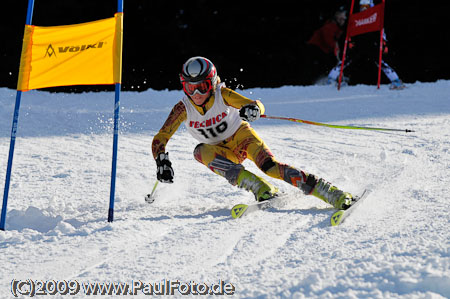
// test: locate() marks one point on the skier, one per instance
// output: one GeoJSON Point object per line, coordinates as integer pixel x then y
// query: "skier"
{"type": "Point", "coordinates": [363, 50]}
{"type": "Point", "coordinates": [218, 118]}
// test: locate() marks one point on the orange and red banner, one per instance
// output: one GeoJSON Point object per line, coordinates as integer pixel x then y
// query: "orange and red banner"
{"type": "Point", "coordinates": [369, 20]}
{"type": "Point", "coordinates": [80, 54]}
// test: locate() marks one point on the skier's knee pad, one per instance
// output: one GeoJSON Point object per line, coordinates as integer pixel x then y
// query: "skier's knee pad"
{"type": "Point", "coordinates": [198, 153]}
{"type": "Point", "coordinates": [226, 168]}
{"type": "Point", "coordinates": [268, 164]}
{"type": "Point", "coordinates": [301, 180]}
{"type": "Point", "coordinates": [309, 185]}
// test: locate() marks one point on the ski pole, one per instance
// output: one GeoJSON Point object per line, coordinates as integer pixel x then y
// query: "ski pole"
{"type": "Point", "coordinates": [149, 198]}
{"type": "Point", "coordinates": [334, 126]}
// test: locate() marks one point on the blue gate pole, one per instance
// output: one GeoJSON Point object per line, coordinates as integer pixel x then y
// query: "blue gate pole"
{"type": "Point", "coordinates": [10, 159]}
{"type": "Point", "coordinates": [115, 140]}
{"type": "Point", "coordinates": [13, 135]}
{"type": "Point", "coordinates": [114, 157]}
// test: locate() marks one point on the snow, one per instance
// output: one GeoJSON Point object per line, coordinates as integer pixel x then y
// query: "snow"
{"type": "Point", "coordinates": [396, 245]}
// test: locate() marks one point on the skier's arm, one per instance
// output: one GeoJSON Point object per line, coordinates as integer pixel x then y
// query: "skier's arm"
{"type": "Point", "coordinates": [175, 118]}
{"type": "Point", "coordinates": [238, 101]}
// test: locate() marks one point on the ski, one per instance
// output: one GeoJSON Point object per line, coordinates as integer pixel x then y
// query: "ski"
{"type": "Point", "coordinates": [339, 216]}
{"type": "Point", "coordinates": [241, 210]}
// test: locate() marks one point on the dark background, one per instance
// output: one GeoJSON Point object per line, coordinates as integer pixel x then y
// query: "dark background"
{"type": "Point", "coordinates": [252, 43]}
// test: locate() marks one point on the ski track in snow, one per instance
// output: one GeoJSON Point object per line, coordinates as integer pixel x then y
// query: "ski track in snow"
{"type": "Point", "coordinates": [396, 245]}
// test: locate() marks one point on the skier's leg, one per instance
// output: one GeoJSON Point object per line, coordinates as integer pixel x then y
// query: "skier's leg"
{"type": "Point", "coordinates": [388, 71]}
{"type": "Point", "coordinates": [396, 83]}
{"type": "Point", "coordinates": [310, 184]}
{"type": "Point", "coordinates": [334, 73]}
{"type": "Point", "coordinates": [224, 162]}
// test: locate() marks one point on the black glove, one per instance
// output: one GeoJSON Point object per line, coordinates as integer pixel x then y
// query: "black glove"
{"type": "Point", "coordinates": [164, 172]}
{"type": "Point", "coordinates": [250, 112]}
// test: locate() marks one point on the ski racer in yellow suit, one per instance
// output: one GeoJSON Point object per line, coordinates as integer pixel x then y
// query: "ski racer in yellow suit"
{"type": "Point", "coordinates": [218, 118]}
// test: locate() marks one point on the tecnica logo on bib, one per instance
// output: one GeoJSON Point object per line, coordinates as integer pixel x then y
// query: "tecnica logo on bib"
{"type": "Point", "coordinates": [209, 122]}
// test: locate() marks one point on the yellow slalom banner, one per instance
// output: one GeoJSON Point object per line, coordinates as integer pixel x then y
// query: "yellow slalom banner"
{"type": "Point", "coordinates": [81, 54]}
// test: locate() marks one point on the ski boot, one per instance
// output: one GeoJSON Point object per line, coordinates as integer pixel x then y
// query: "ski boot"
{"type": "Point", "coordinates": [332, 195]}
{"type": "Point", "coordinates": [262, 189]}
{"type": "Point", "coordinates": [397, 84]}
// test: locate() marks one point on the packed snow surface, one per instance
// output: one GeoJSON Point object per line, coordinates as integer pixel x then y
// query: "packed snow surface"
{"type": "Point", "coordinates": [396, 245]}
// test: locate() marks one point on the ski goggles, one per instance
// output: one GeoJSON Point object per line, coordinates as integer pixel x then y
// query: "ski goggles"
{"type": "Point", "coordinates": [202, 87]}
